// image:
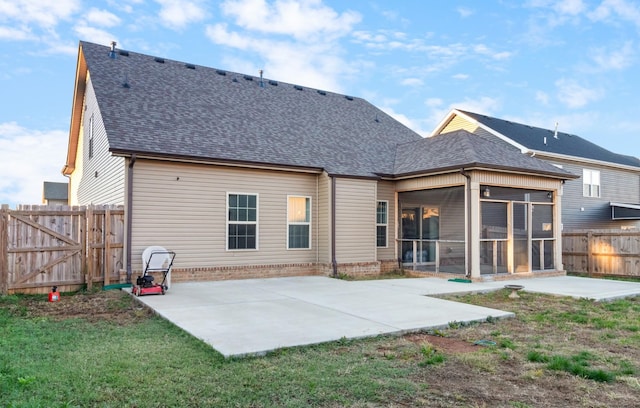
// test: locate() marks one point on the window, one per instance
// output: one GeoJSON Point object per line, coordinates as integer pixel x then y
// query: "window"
{"type": "Point", "coordinates": [298, 222]}
{"type": "Point", "coordinates": [381, 223]}
{"type": "Point", "coordinates": [590, 183]}
{"type": "Point", "coordinates": [91, 136]}
{"type": "Point", "coordinates": [242, 221]}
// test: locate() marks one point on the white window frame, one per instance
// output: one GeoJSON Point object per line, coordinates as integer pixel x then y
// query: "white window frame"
{"type": "Point", "coordinates": [256, 222]}
{"type": "Point", "coordinates": [308, 223]}
{"type": "Point", "coordinates": [385, 224]}
{"type": "Point", "coordinates": [588, 183]}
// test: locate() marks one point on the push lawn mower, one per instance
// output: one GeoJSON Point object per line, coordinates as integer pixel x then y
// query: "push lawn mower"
{"type": "Point", "coordinates": [159, 260]}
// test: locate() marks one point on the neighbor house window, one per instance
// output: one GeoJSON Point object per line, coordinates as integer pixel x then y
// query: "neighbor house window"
{"type": "Point", "coordinates": [298, 222]}
{"type": "Point", "coordinates": [242, 221]}
{"type": "Point", "coordinates": [381, 223]}
{"type": "Point", "coordinates": [91, 136]}
{"type": "Point", "coordinates": [590, 183]}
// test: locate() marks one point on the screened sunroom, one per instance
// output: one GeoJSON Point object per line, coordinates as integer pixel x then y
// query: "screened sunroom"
{"type": "Point", "coordinates": [479, 229]}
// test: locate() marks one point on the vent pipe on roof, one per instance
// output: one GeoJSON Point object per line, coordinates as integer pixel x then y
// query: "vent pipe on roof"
{"type": "Point", "coordinates": [555, 132]}
{"type": "Point", "coordinates": [112, 53]}
{"type": "Point", "coordinates": [261, 80]}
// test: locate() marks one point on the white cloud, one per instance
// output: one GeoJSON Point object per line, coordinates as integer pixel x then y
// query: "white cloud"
{"type": "Point", "coordinates": [464, 12]}
{"type": "Point", "coordinates": [411, 124]}
{"type": "Point", "coordinates": [92, 34]}
{"type": "Point", "coordinates": [176, 14]}
{"type": "Point", "coordinates": [618, 59]}
{"type": "Point", "coordinates": [16, 34]}
{"type": "Point", "coordinates": [44, 13]}
{"type": "Point", "coordinates": [30, 157]}
{"type": "Point", "coordinates": [542, 97]}
{"type": "Point", "coordinates": [299, 19]}
{"type": "Point", "coordinates": [102, 18]}
{"type": "Point", "coordinates": [303, 42]}
{"type": "Point", "coordinates": [482, 49]}
{"type": "Point", "coordinates": [574, 95]}
{"type": "Point", "coordinates": [610, 9]}
{"type": "Point", "coordinates": [460, 76]}
{"type": "Point", "coordinates": [412, 82]}
{"type": "Point", "coordinates": [570, 7]}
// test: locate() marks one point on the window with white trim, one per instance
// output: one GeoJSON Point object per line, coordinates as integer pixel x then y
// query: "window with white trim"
{"type": "Point", "coordinates": [382, 215]}
{"type": "Point", "coordinates": [298, 222]}
{"type": "Point", "coordinates": [590, 183]}
{"type": "Point", "coordinates": [242, 221]}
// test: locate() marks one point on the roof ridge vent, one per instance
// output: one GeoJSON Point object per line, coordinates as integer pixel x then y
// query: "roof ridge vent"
{"type": "Point", "coordinates": [321, 92]}
{"type": "Point", "coordinates": [349, 98]}
{"type": "Point", "coordinates": [190, 66]}
{"type": "Point", "coordinates": [123, 53]}
{"type": "Point", "coordinates": [220, 72]}
{"type": "Point", "coordinates": [158, 59]}
{"type": "Point", "coordinates": [298, 87]}
{"type": "Point", "coordinates": [248, 77]}
{"type": "Point", "coordinates": [272, 82]}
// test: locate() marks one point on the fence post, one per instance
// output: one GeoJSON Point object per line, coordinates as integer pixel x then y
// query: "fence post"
{"type": "Point", "coordinates": [4, 247]}
{"type": "Point", "coordinates": [107, 246]}
{"type": "Point", "coordinates": [89, 245]}
{"type": "Point", "coordinates": [590, 253]}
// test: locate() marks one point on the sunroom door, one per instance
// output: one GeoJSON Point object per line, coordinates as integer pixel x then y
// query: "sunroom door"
{"type": "Point", "coordinates": [521, 237]}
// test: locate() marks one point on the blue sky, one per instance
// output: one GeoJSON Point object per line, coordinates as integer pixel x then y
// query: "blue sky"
{"type": "Point", "coordinates": [537, 62]}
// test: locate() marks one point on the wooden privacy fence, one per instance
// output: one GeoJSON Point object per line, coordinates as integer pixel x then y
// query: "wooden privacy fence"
{"type": "Point", "coordinates": [602, 252]}
{"type": "Point", "coordinates": [67, 247]}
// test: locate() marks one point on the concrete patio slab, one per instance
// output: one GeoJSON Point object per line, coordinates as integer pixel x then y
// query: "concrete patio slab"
{"type": "Point", "coordinates": [247, 317]}
{"type": "Point", "coordinates": [260, 315]}
{"type": "Point", "coordinates": [577, 287]}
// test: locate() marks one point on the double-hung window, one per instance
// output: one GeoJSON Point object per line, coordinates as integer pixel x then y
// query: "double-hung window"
{"type": "Point", "coordinates": [590, 183]}
{"type": "Point", "coordinates": [242, 221]}
{"type": "Point", "coordinates": [298, 222]}
{"type": "Point", "coordinates": [381, 223]}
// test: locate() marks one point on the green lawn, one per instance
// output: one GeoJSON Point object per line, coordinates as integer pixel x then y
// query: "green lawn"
{"type": "Point", "coordinates": [121, 356]}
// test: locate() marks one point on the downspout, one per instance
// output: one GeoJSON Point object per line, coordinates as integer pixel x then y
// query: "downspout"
{"type": "Point", "coordinates": [468, 240]}
{"type": "Point", "coordinates": [132, 161]}
{"type": "Point", "coordinates": [334, 262]}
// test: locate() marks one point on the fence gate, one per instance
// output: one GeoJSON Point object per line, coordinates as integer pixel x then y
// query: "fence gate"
{"type": "Point", "coordinates": [63, 246]}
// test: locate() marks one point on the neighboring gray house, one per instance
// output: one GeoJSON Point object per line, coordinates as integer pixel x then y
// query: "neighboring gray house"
{"type": "Point", "coordinates": [244, 176]}
{"type": "Point", "coordinates": [607, 194]}
{"type": "Point", "coordinates": [54, 193]}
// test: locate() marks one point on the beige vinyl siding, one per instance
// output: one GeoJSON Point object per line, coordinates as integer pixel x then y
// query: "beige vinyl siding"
{"type": "Point", "coordinates": [323, 206]}
{"type": "Point", "coordinates": [99, 179]}
{"type": "Point", "coordinates": [386, 192]}
{"type": "Point", "coordinates": [355, 220]}
{"type": "Point", "coordinates": [459, 123]}
{"type": "Point", "coordinates": [445, 180]}
{"type": "Point", "coordinates": [183, 208]}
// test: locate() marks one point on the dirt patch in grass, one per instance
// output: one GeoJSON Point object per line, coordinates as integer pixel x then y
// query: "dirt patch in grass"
{"type": "Point", "coordinates": [442, 344]}
{"type": "Point", "coordinates": [96, 306]}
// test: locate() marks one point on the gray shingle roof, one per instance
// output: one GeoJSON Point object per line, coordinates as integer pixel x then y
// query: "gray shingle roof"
{"type": "Point", "coordinates": [169, 109]}
{"type": "Point", "coordinates": [461, 149]}
{"type": "Point", "coordinates": [566, 144]}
